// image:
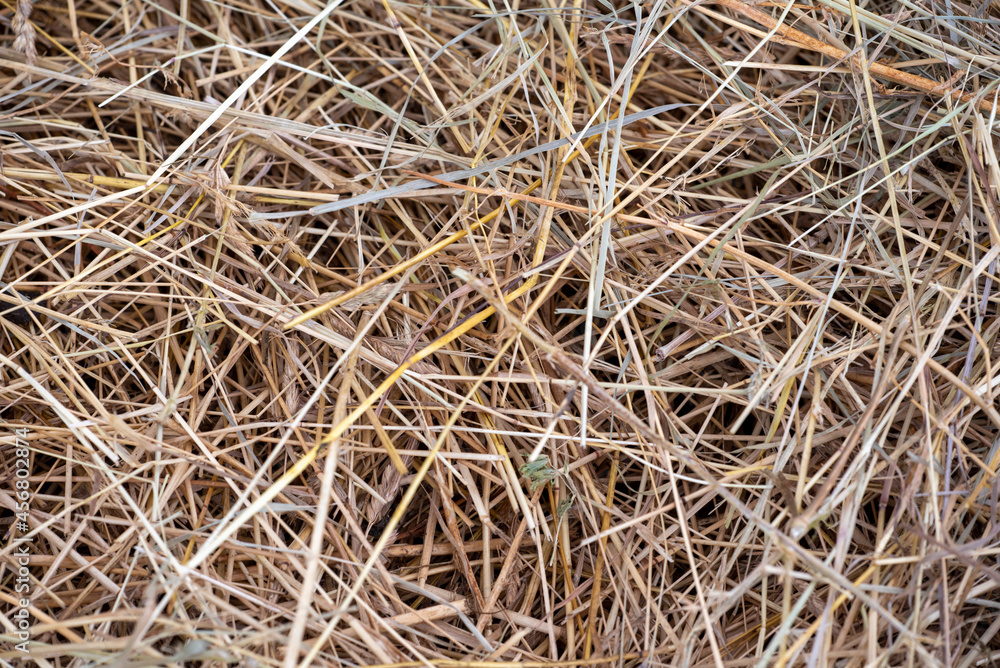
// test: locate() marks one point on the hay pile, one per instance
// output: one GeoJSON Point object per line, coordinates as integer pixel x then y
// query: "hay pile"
{"type": "Point", "coordinates": [476, 333]}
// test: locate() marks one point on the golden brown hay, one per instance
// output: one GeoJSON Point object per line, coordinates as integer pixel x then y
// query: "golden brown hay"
{"type": "Point", "coordinates": [481, 334]}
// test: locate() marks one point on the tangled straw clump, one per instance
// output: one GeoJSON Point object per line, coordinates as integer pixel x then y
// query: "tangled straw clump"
{"type": "Point", "coordinates": [477, 334]}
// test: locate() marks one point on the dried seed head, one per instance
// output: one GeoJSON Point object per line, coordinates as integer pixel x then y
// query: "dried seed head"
{"type": "Point", "coordinates": [24, 32]}
{"type": "Point", "coordinates": [367, 298]}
